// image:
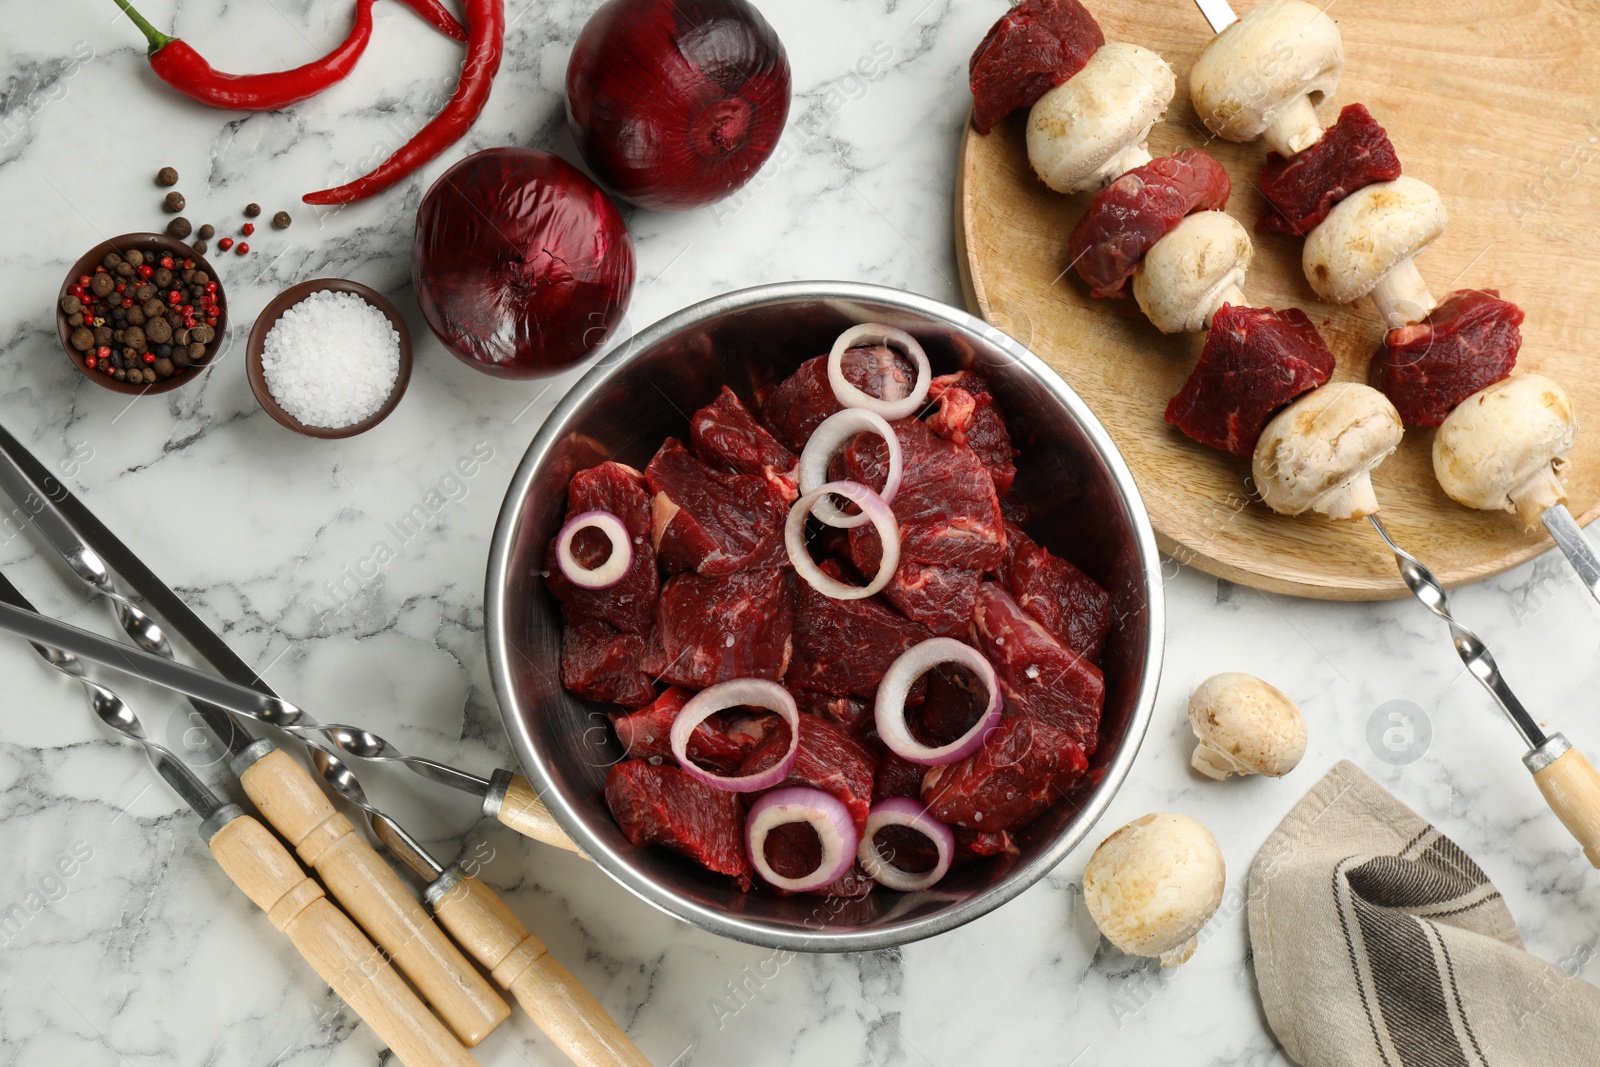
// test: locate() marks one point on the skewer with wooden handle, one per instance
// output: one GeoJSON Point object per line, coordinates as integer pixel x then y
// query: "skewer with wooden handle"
{"type": "Point", "coordinates": [512, 800]}
{"type": "Point", "coordinates": [1571, 786]}
{"type": "Point", "coordinates": [370, 890]}
{"type": "Point", "coordinates": [339, 953]}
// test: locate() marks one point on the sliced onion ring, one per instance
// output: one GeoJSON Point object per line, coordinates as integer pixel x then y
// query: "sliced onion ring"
{"type": "Point", "coordinates": [824, 443]}
{"type": "Point", "coordinates": [826, 814]}
{"type": "Point", "coordinates": [903, 811]}
{"type": "Point", "coordinates": [741, 692]}
{"type": "Point", "coordinates": [889, 711]}
{"type": "Point", "coordinates": [616, 566]}
{"type": "Point", "coordinates": [876, 511]}
{"type": "Point", "coordinates": [874, 333]}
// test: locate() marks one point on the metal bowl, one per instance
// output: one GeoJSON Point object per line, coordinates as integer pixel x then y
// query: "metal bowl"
{"type": "Point", "coordinates": [1083, 502]}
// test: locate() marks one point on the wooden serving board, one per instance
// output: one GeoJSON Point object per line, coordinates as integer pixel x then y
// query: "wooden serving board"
{"type": "Point", "coordinates": [1494, 102]}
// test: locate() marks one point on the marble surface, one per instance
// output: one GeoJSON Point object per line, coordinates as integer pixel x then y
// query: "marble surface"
{"type": "Point", "coordinates": [132, 949]}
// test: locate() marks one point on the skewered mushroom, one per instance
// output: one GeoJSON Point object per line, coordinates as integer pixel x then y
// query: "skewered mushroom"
{"type": "Point", "coordinates": [1318, 453]}
{"type": "Point", "coordinates": [1190, 273]}
{"type": "Point", "coordinates": [1245, 726]}
{"type": "Point", "coordinates": [1092, 127]}
{"type": "Point", "coordinates": [1366, 245]}
{"type": "Point", "coordinates": [1152, 885]}
{"type": "Point", "coordinates": [1504, 448]}
{"type": "Point", "coordinates": [1264, 75]}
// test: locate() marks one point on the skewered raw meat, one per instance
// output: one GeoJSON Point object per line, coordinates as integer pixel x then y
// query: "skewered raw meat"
{"type": "Point", "coordinates": [1037, 45]}
{"type": "Point", "coordinates": [1354, 152]}
{"type": "Point", "coordinates": [1467, 343]}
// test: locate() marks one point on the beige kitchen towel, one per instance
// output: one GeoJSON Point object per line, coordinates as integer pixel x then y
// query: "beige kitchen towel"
{"type": "Point", "coordinates": [1379, 943]}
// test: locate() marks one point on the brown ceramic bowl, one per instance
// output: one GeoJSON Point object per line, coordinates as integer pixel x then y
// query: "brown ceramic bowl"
{"type": "Point", "coordinates": [144, 242]}
{"type": "Point", "coordinates": [269, 317]}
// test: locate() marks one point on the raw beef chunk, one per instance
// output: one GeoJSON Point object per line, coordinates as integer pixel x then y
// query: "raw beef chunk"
{"type": "Point", "coordinates": [661, 805]}
{"type": "Point", "coordinates": [1035, 47]}
{"type": "Point", "coordinates": [968, 415]}
{"type": "Point", "coordinates": [1137, 210]}
{"type": "Point", "coordinates": [1070, 604]}
{"type": "Point", "coordinates": [1025, 765]}
{"type": "Point", "coordinates": [1255, 361]}
{"type": "Point", "coordinates": [827, 759]}
{"type": "Point", "coordinates": [853, 714]}
{"type": "Point", "coordinates": [897, 777]}
{"type": "Point", "coordinates": [720, 743]}
{"type": "Point", "coordinates": [843, 647]}
{"type": "Point", "coordinates": [940, 598]}
{"type": "Point", "coordinates": [718, 629]}
{"type": "Point", "coordinates": [601, 663]}
{"type": "Point", "coordinates": [1467, 343]}
{"type": "Point", "coordinates": [631, 603]}
{"type": "Point", "coordinates": [977, 845]}
{"type": "Point", "coordinates": [725, 435]}
{"type": "Point", "coordinates": [707, 521]}
{"type": "Point", "coordinates": [1353, 153]}
{"type": "Point", "coordinates": [803, 400]}
{"type": "Point", "coordinates": [1040, 677]}
{"type": "Point", "coordinates": [946, 507]}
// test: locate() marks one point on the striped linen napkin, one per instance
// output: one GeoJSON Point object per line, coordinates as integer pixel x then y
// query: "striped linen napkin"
{"type": "Point", "coordinates": [1379, 943]}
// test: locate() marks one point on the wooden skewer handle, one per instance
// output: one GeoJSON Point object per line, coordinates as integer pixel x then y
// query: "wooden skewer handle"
{"type": "Point", "coordinates": [567, 1012]}
{"type": "Point", "coordinates": [512, 800]}
{"type": "Point", "coordinates": [330, 942]}
{"type": "Point", "coordinates": [1571, 787]}
{"type": "Point", "coordinates": [372, 893]}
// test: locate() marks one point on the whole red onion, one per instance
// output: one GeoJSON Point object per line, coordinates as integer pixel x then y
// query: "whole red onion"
{"type": "Point", "coordinates": [676, 103]}
{"type": "Point", "coordinates": [522, 265]}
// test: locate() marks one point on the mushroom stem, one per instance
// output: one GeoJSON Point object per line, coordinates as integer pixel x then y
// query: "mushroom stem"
{"type": "Point", "coordinates": [1294, 131]}
{"type": "Point", "coordinates": [1402, 296]}
{"type": "Point", "coordinates": [1541, 491]}
{"type": "Point", "coordinates": [1136, 155]}
{"type": "Point", "coordinates": [1354, 500]}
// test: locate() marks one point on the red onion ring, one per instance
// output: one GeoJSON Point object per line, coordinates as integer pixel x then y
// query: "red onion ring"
{"type": "Point", "coordinates": [876, 511]}
{"type": "Point", "coordinates": [903, 811]}
{"type": "Point", "coordinates": [741, 692]}
{"type": "Point", "coordinates": [616, 566]}
{"type": "Point", "coordinates": [889, 711]}
{"type": "Point", "coordinates": [826, 814]}
{"type": "Point", "coordinates": [824, 443]}
{"type": "Point", "coordinates": [879, 334]}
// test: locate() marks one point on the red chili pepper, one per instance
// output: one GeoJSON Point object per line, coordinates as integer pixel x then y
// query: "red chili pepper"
{"type": "Point", "coordinates": [486, 25]}
{"type": "Point", "coordinates": [435, 15]}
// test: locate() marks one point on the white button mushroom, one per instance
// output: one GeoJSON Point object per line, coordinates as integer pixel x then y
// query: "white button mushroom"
{"type": "Point", "coordinates": [1263, 76]}
{"type": "Point", "coordinates": [1152, 885]}
{"type": "Point", "coordinates": [1191, 272]}
{"type": "Point", "coordinates": [1245, 726]}
{"type": "Point", "coordinates": [1504, 448]}
{"type": "Point", "coordinates": [1318, 453]}
{"type": "Point", "coordinates": [1091, 129]}
{"type": "Point", "coordinates": [1366, 245]}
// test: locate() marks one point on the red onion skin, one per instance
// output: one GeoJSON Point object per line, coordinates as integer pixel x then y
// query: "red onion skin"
{"type": "Point", "coordinates": [521, 264]}
{"type": "Point", "coordinates": [677, 103]}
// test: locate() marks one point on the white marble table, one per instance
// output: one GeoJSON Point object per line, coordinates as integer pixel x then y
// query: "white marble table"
{"type": "Point", "coordinates": [143, 954]}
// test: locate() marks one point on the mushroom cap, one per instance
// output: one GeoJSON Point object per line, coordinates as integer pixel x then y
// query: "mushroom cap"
{"type": "Point", "coordinates": [1315, 448]}
{"type": "Point", "coordinates": [1500, 438]}
{"type": "Point", "coordinates": [1367, 234]}
{"type": "Point", "coordinates": [1249, 74]}
{"type": "Point", "coordinates": [1152, 885]}
{"type": "Point", "coordinates": [1182, 280]}
{"type": "Point", "coordinates": [1094, 117]}
{"type": "Point", "coordinates": [1245, 726]}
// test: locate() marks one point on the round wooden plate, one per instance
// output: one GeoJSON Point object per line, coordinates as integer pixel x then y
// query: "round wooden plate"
{"type": "Point", "coordinates": [1494, 102]}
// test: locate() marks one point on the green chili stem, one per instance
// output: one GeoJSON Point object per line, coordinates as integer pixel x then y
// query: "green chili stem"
{"type": "Point", "coordinates": [157, 39]}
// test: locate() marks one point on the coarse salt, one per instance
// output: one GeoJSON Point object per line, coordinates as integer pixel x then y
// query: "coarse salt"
{"type": "Point", "coordinates": [331, 360]}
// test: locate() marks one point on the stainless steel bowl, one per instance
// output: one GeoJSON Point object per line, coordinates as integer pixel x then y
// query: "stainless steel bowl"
{"type": "Point", "coordinates": [1084, 504]}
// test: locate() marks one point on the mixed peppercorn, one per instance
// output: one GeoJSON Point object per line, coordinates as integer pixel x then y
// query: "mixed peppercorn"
{"type": "Point", "coordinates": [182, 228]}
{"type": "Point", "coordinates": [142, 317]}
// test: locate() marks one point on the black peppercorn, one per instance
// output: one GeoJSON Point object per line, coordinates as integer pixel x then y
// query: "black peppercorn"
{"type": "Point", "coordinates": [163, 351]}
{"type": "Point", "coordinates": [135, 257]}
{"type": "Point", "coordinates": [135, 316]}
{"type": "Point", "coordinates": [126, 270]}
{"type": "Point", "coordinates": [82, 339]}
{"type": "Point", "coordinates": [202, 335]}
{"type": "Point", "coordinates": [252, 210]}
{"type": "Point", "coordinates": [101, 284]}
{"type": "Point", "coordinates": [153, 307]}
{"type": "Point", "coordinates": [206, 232]}
{"type": "Point", "coordinates": [102, 337]}
{"type": "Point", "coordinates": [281, 220]}
{"type": "Point", "coordinates": [179, 228]}
{"type": "Point", "coordinates": [71, 304]}
{"type": "Point", "coordinates": [161, 279]}
{"type": "Point", "coordinates": [197, 352]}
{"type": "Point", "coordinates": [111, 261]}
{"type": "Point", "coordinates": [200, 247]}
{"type": "Point", "coordinates": [166, 176]}
{"type": "Point", "coordinates": [174, 202]}
{"type": "Point", "coordinates": [162, 367]}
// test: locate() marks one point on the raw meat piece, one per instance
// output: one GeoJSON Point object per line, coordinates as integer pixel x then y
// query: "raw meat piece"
{"type": "Point", "coordinates": [827, 758]}
{"type": "Point", "coordinates": [720, 743]}
{"type": "Point", "coordinates": [1035, 47]}
{"type": "Point", "coordinates": [601, 663]}
{"type": "Point", "coordinates": [1041, 677]}
{"type": "Point", "coordinates": [853, 714]}
{"type": "Point", "coordinates": [794, 851]}
{"type": "Point", "coordinates": [954, 700]}
{"type": "Point", "coordinates": [718, 629]}
{"type": "Point", "coordinates": [1070, 604]}
{"type": "Point", "coordinates": [804, 399]}
{"type": "Point", "coordinates": [631, 603]}
{"type": "Point", "coordinates": [725, 435]}
{"type": "Point", "coordinates": [1354, 153]}
{"type": "Point", "coordinates": [704, 520]}
{"type": "Point", "coordinates": [1467, 343]}
{"type": "Point", "coordinates": [1255, 361]}
{"type": "Point", "coordinates": [661, 805]}
{"type": "Point", "coordinates": [1137, 210]}
{"type": "Point", "coordinates": [1026, 765]}
{"type": "Point", "coordinates": [844, 647]}
{"type": "Point", "coordinates": [946, 507]}
{"type": "Point", "coordinates": [969, 415]}
{"type": "Point", "coordinates": [897, 777]}
{"type": "Point", "coordinates": [940, 598]}
{"type": "Point", "coordinates": [977, 844]}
